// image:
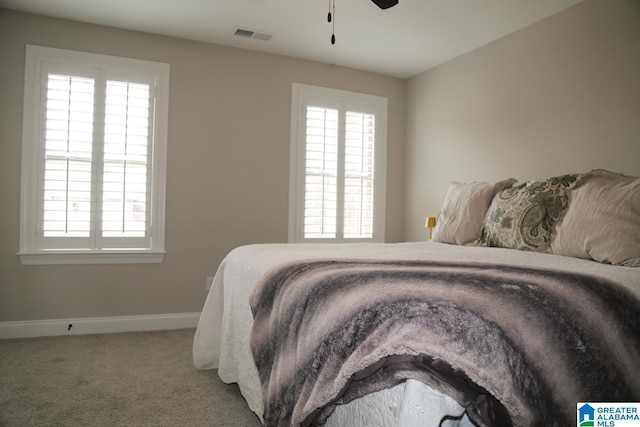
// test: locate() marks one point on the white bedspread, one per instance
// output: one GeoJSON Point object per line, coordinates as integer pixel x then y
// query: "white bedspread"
{"type": "Point", "coordinates": [222, 337]}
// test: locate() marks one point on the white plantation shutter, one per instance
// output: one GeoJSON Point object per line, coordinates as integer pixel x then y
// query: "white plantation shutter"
{"type": "Point", "coordinates": [126, 160]}
{"type": "Point", "coordinates": [98, 154]}
{"type": "Point", "coordinates": [68, 133]}
{"type": "Point", "coordinates": [359, 175]}
{"type": "Point", "coordinates": [73, 172]}
{"type": "Point", "coordinates": [321, 173]}
{"type": "Point", "coordinates": [337, 165]}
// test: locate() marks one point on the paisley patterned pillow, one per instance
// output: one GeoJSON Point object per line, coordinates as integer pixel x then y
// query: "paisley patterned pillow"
{"type": "Point", "coordinates": [523, 216]}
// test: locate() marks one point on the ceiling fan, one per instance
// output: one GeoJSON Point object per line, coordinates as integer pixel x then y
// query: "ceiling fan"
{"type": "Point", "coordinates": [385, 4]}
{"type": "Point", "coordinates": [382, 4]}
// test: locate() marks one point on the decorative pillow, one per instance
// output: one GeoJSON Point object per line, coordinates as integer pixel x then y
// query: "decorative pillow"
{"type": "Point", "coordinates": [460, 219]}
{"type": "Point", "coordinates": [603, 220]}
{"type": "Point", "coordinates": [523, 216]}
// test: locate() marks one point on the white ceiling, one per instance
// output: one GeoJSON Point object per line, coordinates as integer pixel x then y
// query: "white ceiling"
{"type": "Point", "coordinates": [405, 40]}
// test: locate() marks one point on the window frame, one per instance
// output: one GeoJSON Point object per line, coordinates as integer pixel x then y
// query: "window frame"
{"type": "Point", "coordinates": [303, 95]}
{"type": "Point", "coordinates": [37, 59]}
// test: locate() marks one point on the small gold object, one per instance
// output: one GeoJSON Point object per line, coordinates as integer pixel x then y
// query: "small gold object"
{"type": "Point", "coordinates": [429, 223]}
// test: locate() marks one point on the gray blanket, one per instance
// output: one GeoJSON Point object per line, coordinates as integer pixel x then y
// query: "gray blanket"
{"type": "Point", "coordinates": [514, 345]}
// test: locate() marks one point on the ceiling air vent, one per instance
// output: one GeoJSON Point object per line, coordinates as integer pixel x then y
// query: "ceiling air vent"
{"type": "Point", "coordinates": [252, 34]}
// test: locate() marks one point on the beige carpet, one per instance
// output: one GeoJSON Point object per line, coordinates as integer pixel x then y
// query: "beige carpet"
{"type": "Point", "coordinates": [129, 379]}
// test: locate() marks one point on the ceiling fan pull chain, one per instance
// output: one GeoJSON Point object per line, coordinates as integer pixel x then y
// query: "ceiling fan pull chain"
{"type": "Point", "coordinates": [329, 15]}
{"type": "Point", "coordinates": [333, 23]}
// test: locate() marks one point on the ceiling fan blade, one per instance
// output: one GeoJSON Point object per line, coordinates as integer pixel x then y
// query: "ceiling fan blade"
{"type": "Point", "coordinates": [385, 4]}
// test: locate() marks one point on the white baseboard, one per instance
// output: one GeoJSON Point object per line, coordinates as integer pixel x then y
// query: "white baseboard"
{"type": "Point", "coordinates": [97, 325]}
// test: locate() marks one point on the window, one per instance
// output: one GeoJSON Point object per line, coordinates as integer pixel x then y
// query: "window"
{"type": "Point", "coordinates": [94, 158]}
{"type": "Point", "coordinates": [337, 173]}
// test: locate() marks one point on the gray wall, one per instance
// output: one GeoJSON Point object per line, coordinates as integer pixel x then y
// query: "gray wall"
{"type": "Point", "coordinates": [228, 167]}
{"type": "Point", "coordinates": [560, 96]}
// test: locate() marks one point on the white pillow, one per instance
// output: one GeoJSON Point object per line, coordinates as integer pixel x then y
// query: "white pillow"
{"type": "Point", "coordinates": [602, 221]}
{"type": "Point", "coordinates": [465, 205]}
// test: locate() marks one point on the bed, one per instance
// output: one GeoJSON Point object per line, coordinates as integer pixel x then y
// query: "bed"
{"type": "Point", "coordinates": [451, 330]}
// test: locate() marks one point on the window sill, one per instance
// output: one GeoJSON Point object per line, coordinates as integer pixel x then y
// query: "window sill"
{"type": "Point", "coordinates": [91, 257]}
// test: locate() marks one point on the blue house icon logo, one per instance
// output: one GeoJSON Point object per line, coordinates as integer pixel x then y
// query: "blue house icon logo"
{"type": "Point", "coordinates": [586, 415]}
